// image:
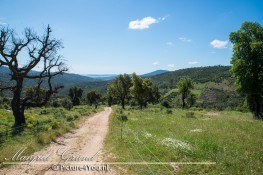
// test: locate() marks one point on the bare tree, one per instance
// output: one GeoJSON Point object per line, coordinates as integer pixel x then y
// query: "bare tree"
{"type": "Point", "coordinates": [21, 56]}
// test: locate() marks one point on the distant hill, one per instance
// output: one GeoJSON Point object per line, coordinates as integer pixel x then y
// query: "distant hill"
{"type": "Point", "coordinates": [198, 74]}
{"type": "Point", "coordinates": [102, 76]}
{"type": "Point", "coordinates": [67, 79]}
{"type": "Point", "coordinates": [112, 76]}
{"type": "Point", "coordinates": [157, 72]}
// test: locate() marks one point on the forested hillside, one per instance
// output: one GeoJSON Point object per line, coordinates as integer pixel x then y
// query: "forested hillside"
{"type": "Point", "coordinates": [198, 74]}
{"type": "Point", "coordinates": [214, 87]}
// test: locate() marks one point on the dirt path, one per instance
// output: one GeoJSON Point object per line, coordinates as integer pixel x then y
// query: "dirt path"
{"type": "Point", "coordinates": [84, 143]}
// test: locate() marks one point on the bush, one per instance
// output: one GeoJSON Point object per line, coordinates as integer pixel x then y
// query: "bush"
{"type": "Point", "coordinates": [190, 115]}
{"type": "Point", "coordinates": [166, 104]}
{"type": "Point", "coordinates": [67, 103]}
{"type": "Point", "coordinates": [70, 118]}
{"type": "Point", "coordinates": [169, 111]}
{"type": "Point", "coordinates": [55, 102]}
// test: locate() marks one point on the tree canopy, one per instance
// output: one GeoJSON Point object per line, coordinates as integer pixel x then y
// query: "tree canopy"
{"type": "Point", "coordinates": [119, 89]}
{"type": "Point", "coordinates": [75, 93]}
{"type": "Point", "coordinates": [247, 64]}
{"type": "Point", "coordinates": [93, 96]}
{"type": "Point", "coordinates": [184, 86]}
{"type": "Point", "coordinates": [144, 91]}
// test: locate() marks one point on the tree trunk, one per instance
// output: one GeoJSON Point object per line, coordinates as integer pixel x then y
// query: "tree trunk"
{"type": "Point", "coordinates": [145, 104]}
{"type": "Point", "coordinates": [17, 106]}
{"type": "Point", "coordinates": [183, 100]}
{"type": "Point", "coordinates": [123, 103]}
{"type": "Point", "coordinates": [257, 107]}
{"type": "Point", "coordinates": [141, 104]}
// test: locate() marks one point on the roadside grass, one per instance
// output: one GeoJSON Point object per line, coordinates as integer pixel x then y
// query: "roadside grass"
{"type": "Point", "coordinates": [233, 140]}
{"type": "Point", "coordinates": [43, 126]}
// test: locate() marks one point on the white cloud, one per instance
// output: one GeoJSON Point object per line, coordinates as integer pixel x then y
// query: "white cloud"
{"type": "Point", "coordinates": [219, 44]}
{"type": "Point", "coordinates": [170, 65]}
{"type": "Point", "coordinates": [155, 63]}
{"type": "Point", "coordinates": [169, 43]}
{"type": "Point", "coordinates": [193, 62]}
{"type": "Point", "coordinates": [185, 39]}
{"type": "Point", "coordinates": [143, 23]}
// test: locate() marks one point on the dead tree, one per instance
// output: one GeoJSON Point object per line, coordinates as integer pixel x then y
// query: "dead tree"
{"type": "Point", "coordinates": [21, 56]}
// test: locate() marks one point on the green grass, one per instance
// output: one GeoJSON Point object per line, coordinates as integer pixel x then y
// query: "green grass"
{"type": "Point", "coordinates": [42, 126]}
{"type": "Point", "coordinates": [231, 139]}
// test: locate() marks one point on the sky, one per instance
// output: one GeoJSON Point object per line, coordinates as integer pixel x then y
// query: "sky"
{"type": "Point", "coordinates": [125, 36]}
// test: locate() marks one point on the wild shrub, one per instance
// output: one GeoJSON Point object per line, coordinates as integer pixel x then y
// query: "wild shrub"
{"type": "Point", "coordinates": [67, 103]}
{"type": "Point", "coordinates": [190, 115]}
{"type": "Point", "coordinates": [70, 117]}
{"type": "Point", "coordinates": [166, 104]}
{"type": "Point", "coordinates": [169, 111]}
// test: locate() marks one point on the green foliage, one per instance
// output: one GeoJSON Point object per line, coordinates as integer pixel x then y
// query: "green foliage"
{"type": "Point", "coordinates": [169, 111]}
{"type": "Point", "coordinates": [93, 96]}
{"type": "Point", "coordinates": [55, 102]}
{"type": "Point", "coordinates": [119, 89]}
{"type": "Point", "coordinates": [137, 89]}
{"type": "Point", "coordinates": [166, 104]}
{"type": "Point", "coordinates": [219, 99]}
{"type": "Point", "coordinates": [247, 64]}
{"type": "Point", "coordinates": [5, 103]}
{"type": "Point", "coordinates": [67, 103]}
{"type": "Point", "coordinates": [122, 118]}
{"type": "Point", "coordinates": [185, 85]}
{"type": "Point", "coordinates": [144, 91]}
{"type": "Point", "coordinates": [198, 75]}
{"type": "Point", "coordinates": [36, 96]}
{"type": "Point", "coordinates": [75, 94]}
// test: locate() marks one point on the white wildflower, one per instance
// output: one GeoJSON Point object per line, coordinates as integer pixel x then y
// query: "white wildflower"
{"type": "Point", "coordinates": [174, 143]}
{"type": "Point", "coordinates": [196, 130]}
{"type": "Point", "coordinates": [147, 135]}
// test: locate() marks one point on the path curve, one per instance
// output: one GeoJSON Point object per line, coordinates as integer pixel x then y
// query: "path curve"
{"type": "Point", "coordinates": [86, 141]}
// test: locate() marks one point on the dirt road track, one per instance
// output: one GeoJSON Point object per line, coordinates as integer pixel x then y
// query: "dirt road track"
{"type": "Point", "coordinates": [86, 141]}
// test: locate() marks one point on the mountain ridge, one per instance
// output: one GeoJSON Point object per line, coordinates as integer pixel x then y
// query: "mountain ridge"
{"type": "Point", "coordinates": [112, 76]}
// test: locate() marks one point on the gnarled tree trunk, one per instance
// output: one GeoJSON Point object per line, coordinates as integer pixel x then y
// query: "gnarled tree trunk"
{"type": "Point", "coordinates": [17, 105]}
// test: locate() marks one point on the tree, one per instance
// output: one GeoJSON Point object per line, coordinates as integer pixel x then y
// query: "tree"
{"type": "Point", "coordinates": [120, 88]}
{"type": "Point", "coordinates": [137, 89]}
{"type": "Point", "coordinates": [36, 96]}
{"type": "Point", "coordinates": [67, 103]}
{"type": "Point", "coordinates": [75, 93]}
{"type": "Point", "coordinates": [247, 65]}
{"type": "Point", "coordinates": [150, 92]}
{"type": "Point", "coordinates": [37, 51]}
{"type": "Point", "coordinates": [93, 96]}
{"type": "Point", "coordinates": [144, 91]}
{"type": "Point", "coordinates": [185, 85]}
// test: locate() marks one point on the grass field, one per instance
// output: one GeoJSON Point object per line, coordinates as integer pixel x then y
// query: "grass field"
{"type": "Point", "coordinates": [43, 126]}
{"type": "Point", "coordinates": [232, 140]}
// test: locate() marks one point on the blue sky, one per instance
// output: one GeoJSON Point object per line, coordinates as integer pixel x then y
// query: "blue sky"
{"type": "Point", "coordinates": [125, 36]}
